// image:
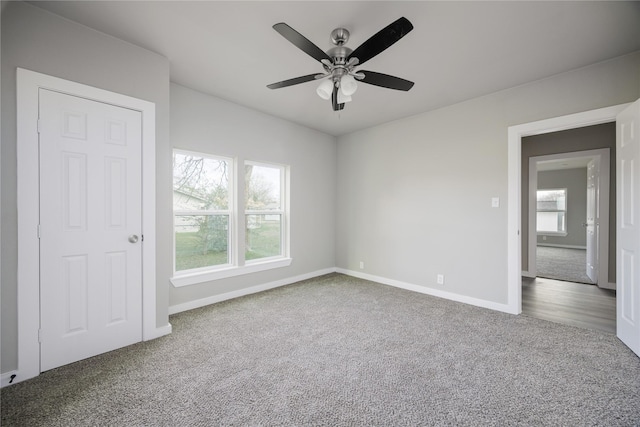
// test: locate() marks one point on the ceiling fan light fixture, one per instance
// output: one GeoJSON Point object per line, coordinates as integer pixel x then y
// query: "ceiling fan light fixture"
{"type": "Point", "coordinates": [348, 85]}
{"type": "Point", "coordinates": [342, 98]}
{"type": "Point", "coordinates": [325, 89]}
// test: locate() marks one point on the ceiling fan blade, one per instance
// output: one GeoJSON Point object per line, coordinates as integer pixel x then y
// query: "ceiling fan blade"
{"type": "Point", "coordinates": [334, 100]}
{"type": "Point", "coordinates": [382, 40]}
{"type": "Point", "coordinates": [385, 80]}
{"type": "Point", "coordinates": [295, 81]}
{"type": "Point", "coordinates": [301, 41]}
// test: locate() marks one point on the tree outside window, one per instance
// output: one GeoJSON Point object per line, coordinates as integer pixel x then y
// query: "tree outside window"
{"type": "Point", "coordinates": [201, 210]}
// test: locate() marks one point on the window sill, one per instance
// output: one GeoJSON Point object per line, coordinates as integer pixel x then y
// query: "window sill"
{"type": "Point", "coordinates": [224, 273]}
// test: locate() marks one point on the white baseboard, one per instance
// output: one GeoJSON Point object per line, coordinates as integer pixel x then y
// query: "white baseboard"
{"type": "Point", "coordinates": [158, 332]}
{"type": "Point", "coordinates": [607, 285]}
{"type": "Point", "coordinates": [553, 245]}
{"type": "Point", "coordinates": [528, 275]}
{"type": "Point", "coordinates": [7, 377]}
{"type": "Point", "coordinates": [165, 330]}
{"type": "Point", "coordinates": [505, 308]}
{"type": "Point", "coordinates": [13, 377]}
{"type": "Point", "coordinates": [178, 308]}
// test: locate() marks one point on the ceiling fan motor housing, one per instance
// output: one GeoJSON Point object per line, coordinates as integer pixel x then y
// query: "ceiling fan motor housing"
{"type": "Point", "coordinates": [339, 54]}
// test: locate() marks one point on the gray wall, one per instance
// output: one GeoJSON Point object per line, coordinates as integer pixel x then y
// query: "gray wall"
{"type": "Point", "coordinates": [415, 194]}
{"type": "Point", "coordinates": [568, 141]}
{"type": "Point", "coordinates": [210, 125]}
{"type": "Point", "coordinates": [42, 42]}
{"type": "Point", "coordinates": [575, 181]}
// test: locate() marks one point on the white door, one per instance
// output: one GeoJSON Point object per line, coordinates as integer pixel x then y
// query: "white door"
{"type": "Point", "coordinates": [628, 226]}
{"type": "Point", "coordinates": [90, 224]}
{"type": "Point", "coordinates": [592, 223]}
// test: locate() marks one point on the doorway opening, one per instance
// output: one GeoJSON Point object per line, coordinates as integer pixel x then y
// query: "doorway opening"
{"type": "Point", "coordinates": [28, 286]}
{"type": "Point", "coordinates": [565, 195]}
{"type": "Point", "coordinates": [569, 204]}
{"type": "Point", "coordinates": [627, 123]}
{"type": "Point", "coordinates": [569, 303]}
{"type": "Point", "coordinates": [517, 261]}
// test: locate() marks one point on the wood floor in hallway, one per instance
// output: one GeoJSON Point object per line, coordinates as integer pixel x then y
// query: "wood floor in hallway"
{"type": "Point", "coordinates": [575, 304]}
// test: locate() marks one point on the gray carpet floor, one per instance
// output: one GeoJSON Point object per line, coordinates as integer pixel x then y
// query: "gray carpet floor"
{"type": "Point", "coordinates": [340, 351]}
{"type": "Point", "coordinates": [562, 264]}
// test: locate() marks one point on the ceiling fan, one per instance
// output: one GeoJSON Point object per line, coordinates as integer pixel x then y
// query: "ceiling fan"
{"type": "Point", "coordinates": [339, 62]}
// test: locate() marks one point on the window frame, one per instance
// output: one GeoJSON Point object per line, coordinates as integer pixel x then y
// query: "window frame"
{"type": "Point", "coordinates": [228, 212]}
{"type": "Point", "coordinates": [237, 265]}
{"type": "Point", "coordinates": [282, 211]}
{"type": "Point", "coordinates": [565, 211]}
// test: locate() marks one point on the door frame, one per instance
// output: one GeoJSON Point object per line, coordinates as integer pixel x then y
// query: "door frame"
{"type": "Point", "coordinates": [28, 86]}
{"type": "Point", "coordinates": [514, 171]}
{"type": "Point", "coordinates": [603, 155]}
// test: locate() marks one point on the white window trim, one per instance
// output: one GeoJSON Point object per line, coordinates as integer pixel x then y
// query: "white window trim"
{"type": "Point", "coordinates": [283, 211]}
{"type": "Point", "coordinates": [229, 271]}
{"type": "Point", "coordinates": [229, 212]}
{"type": "Point", "coordinates": [552, 233]}
{"type": "Point", "coordinates": [238, 266]}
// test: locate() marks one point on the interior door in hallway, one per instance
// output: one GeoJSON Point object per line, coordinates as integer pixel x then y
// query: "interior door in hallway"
{"type": "Point", "coordinates": [628, 226]}
{"type": "Point", "coordinates": [592, 224]}
{"type": "Point", "coordinates": [90, 225]}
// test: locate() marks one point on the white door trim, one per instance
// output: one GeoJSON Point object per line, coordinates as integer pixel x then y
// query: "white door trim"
{"type": "Point", "coordinates": [514, 153]}
{"type": "Point", "coordinates": [28, 85]}
{"type": "Point", "coordinates": [603, 206]}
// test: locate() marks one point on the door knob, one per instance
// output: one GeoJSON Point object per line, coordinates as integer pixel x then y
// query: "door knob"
{"type": "Point", "coordinates": [133, 238]}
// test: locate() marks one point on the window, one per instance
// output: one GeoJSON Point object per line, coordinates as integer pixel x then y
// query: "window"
{"type": "Point", "coordinates": [263, 211]}
{"type": "Point", "coordinates": [202, 216]}
{"type": "Point", "coordinates": [217, 234]}
{"type": "Point", "coordinates": [552, 212]}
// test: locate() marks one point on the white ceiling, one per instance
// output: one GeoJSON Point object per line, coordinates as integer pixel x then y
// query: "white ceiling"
{"type": "Point", "coordinates": [457, 50]}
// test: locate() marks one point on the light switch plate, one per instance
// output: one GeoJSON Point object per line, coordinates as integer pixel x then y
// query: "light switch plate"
{"type": "Point", "coordinates": [495, 202]}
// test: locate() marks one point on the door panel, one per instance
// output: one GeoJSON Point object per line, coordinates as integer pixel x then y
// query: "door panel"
{"type": "Point", "coordinates": [75, 287]}
{"type": "Point", "coordinates": [90, 202]}
{"type": "Point", "coordinates": [592, 219]}
{"type": "Point", "coordinates": [628, 226]}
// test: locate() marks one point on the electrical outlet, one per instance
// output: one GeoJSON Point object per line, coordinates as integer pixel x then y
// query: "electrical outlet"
{"type": "Point", "coordinates": [361, 265]}
{"type": "Point", "coordinates": [440, 279]}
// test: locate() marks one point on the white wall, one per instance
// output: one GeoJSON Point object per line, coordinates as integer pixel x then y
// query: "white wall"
{"type": "Point", "coordinates": [210, 125]}
{"type": "Point", "coordinates": [414, 198]}
{"type": "Point", "coordinates": [42, 42]}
